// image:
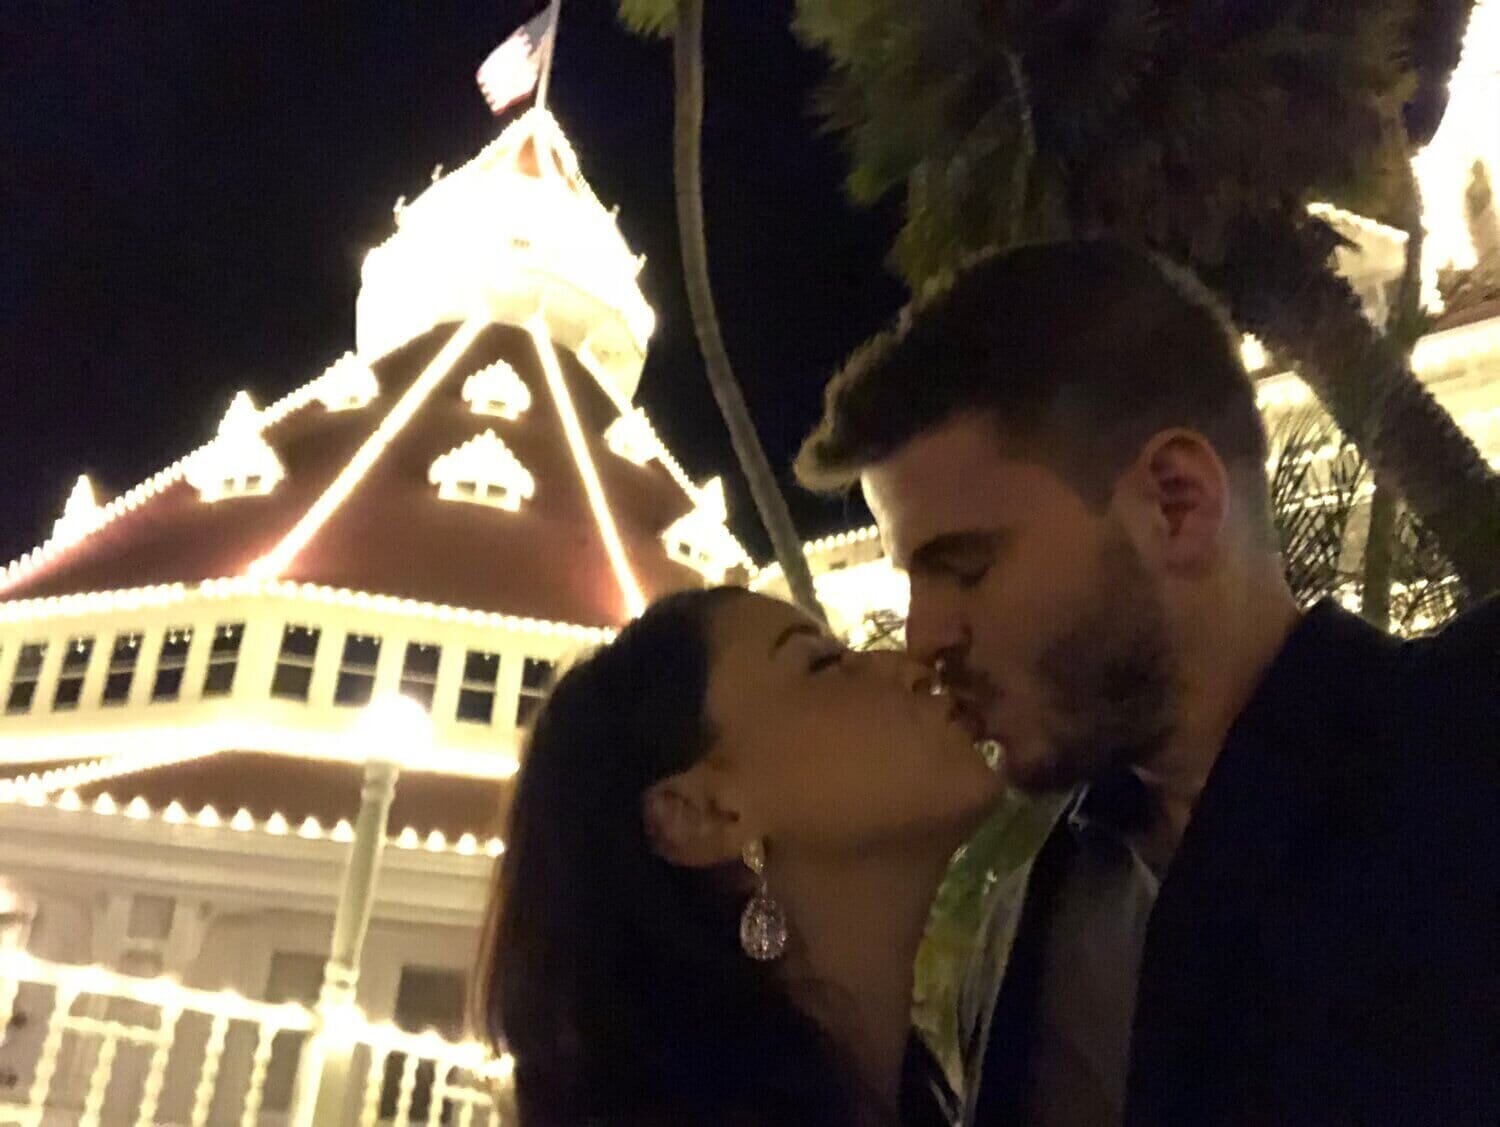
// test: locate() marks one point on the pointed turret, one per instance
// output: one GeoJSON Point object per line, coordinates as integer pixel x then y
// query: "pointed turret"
{"type": "Point", "coordinates": [515, 232]}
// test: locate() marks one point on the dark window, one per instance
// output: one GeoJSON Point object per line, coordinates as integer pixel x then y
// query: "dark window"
{"type": "Point", "coordinates": [536, 679]}
{"type": "Point", "coordinates": [426, 998]}
{"type": "Point", "coordinates": [419, 672]}
{"type": "Point", "coordinates": [476, 696]}
{"type": "Point", "coordinates": [75, 665]}
{"type": "Point", "coordinates": [294, 977]}
{"type": "Point", "coordinates": [356, 681]}
{"type": "Point", "coordinates": [122, 662]}
{"type": "Point", "coordinates": [223, 659]}
{"type": "Point", "coordinates": [23, 681]}
{"type": "Point", "coordinates": [171, 663]}
{"type": "Point", "coordinates": [150, 917]}
{"type": "Point", "coordinates": [294, 664]}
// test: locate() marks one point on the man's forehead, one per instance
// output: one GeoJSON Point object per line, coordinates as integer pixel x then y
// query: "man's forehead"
{"type": "Point", "coordinates": [934, 485]}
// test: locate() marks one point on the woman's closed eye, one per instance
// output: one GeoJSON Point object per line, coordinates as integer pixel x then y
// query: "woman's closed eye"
{"type": "Point", "coordinates": [825, 660]}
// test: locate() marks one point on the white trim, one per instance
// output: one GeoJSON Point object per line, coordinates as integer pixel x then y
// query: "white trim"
{"type": "Point", "coordinates": [497, 390]}
{"type": "Point", "coordinates": [106, 749]}
{"type": "Point", "coordinates": [1462, 342]}
{"type": "Point", "coordinates": [308, 525]}
{"type": "Point", "coordinates": [348, 384]}
{"type": "Point", "coordinates": [28, 562]}
{"type": "Point", "coordinates": [234, 587]}
{"type": "Point", "coordinates": [81, 512]}
{"type": "Point", "coordinates": [208, 825]}
{"type": "Point", "coordinates": [493, 474]}
{"type": "Point", "coordinates": [590, 363]}
{"type": "Point", "coordinates": [761, 576]}
{"type": "Point", "coordinates": [635, 601]}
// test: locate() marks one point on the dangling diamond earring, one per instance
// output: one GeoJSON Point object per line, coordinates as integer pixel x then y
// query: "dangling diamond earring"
{"type": "Point", "coordinates": [763, 923]}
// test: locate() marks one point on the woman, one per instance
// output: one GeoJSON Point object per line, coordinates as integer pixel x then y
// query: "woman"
{"type": "Point", "coordinates": [637, 966]}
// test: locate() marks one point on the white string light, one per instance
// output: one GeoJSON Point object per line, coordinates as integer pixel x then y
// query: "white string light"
{"type": "Point", "coordinates": [635, 602]}
{"type": "Point", "coordinates": [238, 587]}
{"type": "Point", "coordinates": [26, 565]}
{"type": "Point", "coordinates": [280, 557]}
{"type": "Point", "coordinates": [99, 770]}
{"type": "Point", "coordinates": [208, 820]}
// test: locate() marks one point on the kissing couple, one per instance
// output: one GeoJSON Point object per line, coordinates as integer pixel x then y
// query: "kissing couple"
{"type": "Point", "coordinates": [1270, 893]}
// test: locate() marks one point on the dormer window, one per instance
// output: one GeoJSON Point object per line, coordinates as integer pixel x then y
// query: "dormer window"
{"type": "Point", "coordinates": [238, 462]}
{"type": "Point", "coordinates": [497, 390]}
{"type": "Point", "coordinates": [483, 471]}
{"type": "Point", "coordinates": [632, 438]}
{"type": "Point", "coordinates": [348, 385]}
{"type": "Point", "coordinates": [700, 539]}
{"type": "Point", "coordinates": [80, 515]}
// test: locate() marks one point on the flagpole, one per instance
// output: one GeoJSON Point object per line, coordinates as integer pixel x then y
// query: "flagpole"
{"type": "Point", "coordinates": [548, 49]}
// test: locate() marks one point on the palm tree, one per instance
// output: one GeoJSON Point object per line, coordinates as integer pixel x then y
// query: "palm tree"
{"type": "Point", "coordinates": [685, 20]}
{"type": "Point", "coordinates": [1198, 128]}
{"type": "Point", "coordinates": [1322, 505]}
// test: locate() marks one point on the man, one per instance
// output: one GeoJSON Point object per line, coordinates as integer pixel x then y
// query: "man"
{"type": "Point", "coordinates": [1271, 893]}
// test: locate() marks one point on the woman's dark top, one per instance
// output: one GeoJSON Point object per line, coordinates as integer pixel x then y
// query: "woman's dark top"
{"type": "Point", "coordinates": [927, 1100]}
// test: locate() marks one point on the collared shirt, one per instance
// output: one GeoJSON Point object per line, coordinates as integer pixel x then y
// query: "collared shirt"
{"type": "Point", "coordinates": [1080, 1056]}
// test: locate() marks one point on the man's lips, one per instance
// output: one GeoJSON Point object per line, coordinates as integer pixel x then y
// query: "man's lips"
{"type": "Point", "coordinates": [965, 713]}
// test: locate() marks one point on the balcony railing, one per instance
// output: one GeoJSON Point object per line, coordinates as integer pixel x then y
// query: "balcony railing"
{"type": "Point", "coordinates": [86, 1047]}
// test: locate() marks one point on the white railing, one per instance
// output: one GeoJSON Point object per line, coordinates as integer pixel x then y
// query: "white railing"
{"type": "Point", "coordinates": [95, 1048]}
{"type": "Point", "coordinates": [433, 1072]}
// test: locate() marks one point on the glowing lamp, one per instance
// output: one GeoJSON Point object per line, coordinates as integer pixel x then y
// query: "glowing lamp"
{"type": "Point", "coordinates": [392, 729]}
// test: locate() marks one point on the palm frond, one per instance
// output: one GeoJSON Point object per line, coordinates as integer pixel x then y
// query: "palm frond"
{"type": "Point", "coordinates": [1315, 482]}
{"type": "Point", "coordinates": [1161, 120]}
{"type": "Point", "coordinates": [651, 18]}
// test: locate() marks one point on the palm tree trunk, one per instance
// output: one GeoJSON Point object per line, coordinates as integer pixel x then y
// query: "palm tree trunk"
{"type": "Point", "coordinates": [1375, 594]}
{"type": "Point", "coordinates": [1281, 288]}
{"type": "Point", "coordinates": [687, 66]}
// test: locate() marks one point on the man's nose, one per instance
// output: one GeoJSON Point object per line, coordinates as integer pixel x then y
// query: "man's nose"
{"type": "Point", "coordinates": [933, 631]}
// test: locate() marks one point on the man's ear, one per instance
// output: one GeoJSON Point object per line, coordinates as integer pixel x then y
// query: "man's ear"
{"type": "Point", "coordinates": [690, 821]}
{"type": "Point", "coordinates": [1176, 493]}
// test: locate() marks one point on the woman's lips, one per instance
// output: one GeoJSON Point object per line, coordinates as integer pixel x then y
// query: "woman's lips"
{"type": "Point", "coordinates": [964, 713]}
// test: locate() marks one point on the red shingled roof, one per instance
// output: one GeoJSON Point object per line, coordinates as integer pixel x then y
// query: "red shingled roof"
{"type": "Point", "coordinates": [392, 535]}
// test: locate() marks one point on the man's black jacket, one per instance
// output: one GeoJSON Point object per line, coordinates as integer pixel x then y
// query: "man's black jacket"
{"type": "Point", "coordinates": [1325, 947]}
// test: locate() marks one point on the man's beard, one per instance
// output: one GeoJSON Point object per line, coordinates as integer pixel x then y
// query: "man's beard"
{"type": "Point", "coordinates": [1108, 676]}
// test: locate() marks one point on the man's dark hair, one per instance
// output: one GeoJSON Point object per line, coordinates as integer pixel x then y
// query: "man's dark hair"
{"type": "Point", "coordinates": [1079, 351]}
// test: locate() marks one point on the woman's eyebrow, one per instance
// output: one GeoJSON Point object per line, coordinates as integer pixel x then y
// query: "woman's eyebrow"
{"type": "Point", "coordinates": [792, 631]}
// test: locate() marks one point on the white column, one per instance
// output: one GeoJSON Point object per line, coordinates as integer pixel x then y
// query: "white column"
{"type": "Point", "coordinates": [325, 673]}
{"type": "Point", "coordinates": [98, 669]}
{"type": "Point", "coordinates": [195, 665]}
{"type": "Point", "coordinates": [389, 729]}
{"type": "Point", "coordinates": [450, 677]}
{"type": "Point", "coordinates": [145, 666]}
{"type": "Point", "coordinates": [258, 650]}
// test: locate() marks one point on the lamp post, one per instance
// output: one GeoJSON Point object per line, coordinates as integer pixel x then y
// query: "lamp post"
{"type": "Point", "coordinates": [389, 731]}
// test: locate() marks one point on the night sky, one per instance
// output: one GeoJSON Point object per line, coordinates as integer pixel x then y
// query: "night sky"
{"type": "Point", "coordinates": [187, 190]}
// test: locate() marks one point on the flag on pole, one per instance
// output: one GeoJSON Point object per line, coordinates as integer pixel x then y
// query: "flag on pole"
{"type": "Point", "coordinates": [513, 68]}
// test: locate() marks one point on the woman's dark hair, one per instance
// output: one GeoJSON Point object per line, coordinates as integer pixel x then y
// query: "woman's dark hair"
{"type": "Point", "coordinates": [615, 979]}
